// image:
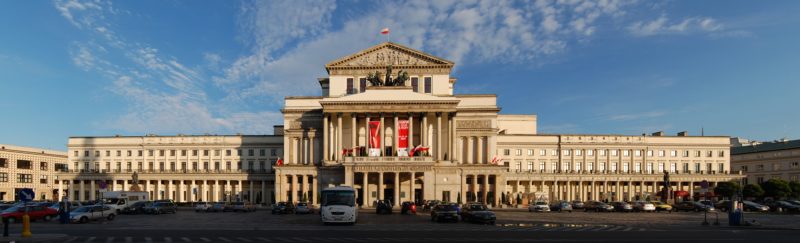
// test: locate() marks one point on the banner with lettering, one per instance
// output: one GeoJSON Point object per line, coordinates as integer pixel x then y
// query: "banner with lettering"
{"type": "Point", "coordinates": [402, 138]}
{"type": "Point", "coordinates": [374, 138]}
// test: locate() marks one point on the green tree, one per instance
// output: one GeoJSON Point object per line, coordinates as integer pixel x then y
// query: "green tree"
{"type": "Point", "coordinates": [752, 190]}
{"type": "Point", "coordinates": [727, 189]}
{"type": "Point", "coordinates": [776, 188]}
{"type": "Point", "coordinates": [795, 186]}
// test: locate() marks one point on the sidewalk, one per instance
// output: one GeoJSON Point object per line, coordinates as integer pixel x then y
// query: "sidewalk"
{"type": "Point", "coordinates": [34, 238]}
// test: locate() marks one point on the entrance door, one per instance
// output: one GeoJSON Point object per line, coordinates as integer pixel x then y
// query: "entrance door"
{"type": "Point", "coordinates": [388, 193]}
{"type": "Point", "coordinates": [418, 196]}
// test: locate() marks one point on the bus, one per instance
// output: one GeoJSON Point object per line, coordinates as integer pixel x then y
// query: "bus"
{"type": "Point", "coordinates": [338, 205]}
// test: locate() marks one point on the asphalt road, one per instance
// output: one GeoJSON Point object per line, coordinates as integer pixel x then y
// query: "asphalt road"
{"type": "Point", "coordinates": [261, 226]}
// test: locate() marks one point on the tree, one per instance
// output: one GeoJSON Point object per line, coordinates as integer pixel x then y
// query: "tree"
{"type": "Point", "coordinates": [727, 189]}
{"type": "Point", "coordinates": [776, 188]}
{"type": "Point", "coordinates": [795, 186]}
{"type": "Point", "coordinates": [752, 190]}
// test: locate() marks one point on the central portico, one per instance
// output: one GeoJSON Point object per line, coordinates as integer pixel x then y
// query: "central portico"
{"type": "Point", "coordinates": [403, 100]}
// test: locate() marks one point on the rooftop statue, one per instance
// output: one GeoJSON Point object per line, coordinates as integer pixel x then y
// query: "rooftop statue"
{"type": "Point", "coordinates": [399, 80]}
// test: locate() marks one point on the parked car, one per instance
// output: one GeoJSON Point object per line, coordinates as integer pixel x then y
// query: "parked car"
{"type": "Point", "coordinates": [72, 205]}
{"type": "Point", "coordinates": [458, 207]}
{"type": "Point", "coordinates": [92, 212]}
{"type": "Point", "coordinates": [202, 206]}
{"type": "Point", "coordinates": [282, 208]}
{"type": "Point", "coordinates": [444, 212]}
{"type": "Point", "coordinates": [561, 206]}
{"type": "Point", "coordinates": [598, 206]}
{"type": "Point", "coordinates": [160, 208]}
{"type": "Point", "coordinates": [137, 207]}
{"type": "Point", "coordinates": [477, 213]}
{"type": "Point", "coordinates": [430, 204]}
{"type": "Point", "coordinates": [302, 208]}
{"type": "Point", "coordinates": [723, 205]}
{"type": "Point", "coordinates": [243, 207]}
{"type": "Point", "coordinates": [643, 206]}
{"type": "Point", "coordinates": [752, 206]}
{"type": "Point", "coordinates": [14, 214]}
{"type": "Point", "coordinates": [540, 206]}
{"type": "Point", "coordinates": [783, 206]}
{"type": "Point", "coordinates": [172, 203]}
{"type": "Point", "coordinates": [408, 208]}
{"type": "Point", "coordinates": [220, 207]}
{"type": "Point", "coordinates": [662, 206]}
{"type": "Point", "coordinates": [577, 204]}
{"type": "Point", "coordinates": [383, 207]}
{"type": "Point", "coordinates": [621, 206]}
{"type": "Point", "coordinates": [692, 206]}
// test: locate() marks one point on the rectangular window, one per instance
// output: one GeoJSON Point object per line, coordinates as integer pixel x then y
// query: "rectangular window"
{"type": "Point", "coordinates": [273, 152]}
{"type": "Point", "coordinates": [24, 164]}
{"type": "Point", "coordinates": [140, 153]}
{"type": "Point", "coordinates": [685, 167]}
{"type": "Point", "coordinates": [263, 152]}
{"type": "Point", "coordinates": [578, 152]}
{"type": "Point", "coordinates": [530, 152]}
{"type": "Point", "coordinates": [427, 85]}
{"type": "Point", "coordinates": [216, 165]}
{"type": "Point", "coordinates": [250, 165]}
{"type": "Point", "coordinates": [350, 89]}
{"type": "Point", "coordinates": [76, 153]}
{"type": "Point", "coordinates": [205, 152]}
{"type": "Point", "coordinates": [216, 152]}
{"type": "Point", "coordinates": [43, 179]}
{"type": "Point", "coordinates": [518, 152]}
{"type": "Point", "coordinates": [530, 166]}
{"type": "Point", "coordinates": [709, 153]}
{"type": "Point", "coordinates": [638, 153]}
{"type": "Point", "coordinates": [161, 166]}
{"type": "Point", "coordinates": [660, 167]}
{"type": "Point", "coordinates": [565, 152]}
{"type": "Point", "coordinates": [161, 152]}
{"type": "Point", "coordinates": [86, 153]}
{"type": "Point", "coordinates": [506, 152]}
{"type": "Point", "coordinates": [362, 83]}
{"type": "Point", "coordinates": [672, 168]}
{"type": "Point", "coordinates": [673, 153]}
{"type": "Point", "coordinates": [24, 178]}
{"type": "Point", "coordinates": [554, 152]}
{"type": "Point", "coordinates": [602, 152]}
{"type": "Point", "coordinates": [577, 166]}
{"type": "Point", "coordinates": [228, 152]}
{"type": "Point", "coordinates": [590, 167]}
{"type": "Point", "coordinates": [542, 152]}
{"type": "Point", "coordinates": [614, 152]}
{"type": "Point", "coordinates": [553, 166]}
{"type": "Point", "coordinates": [43, 166]}
{"type": "Point", "coordinates": [519, 166]}
{"type": "Point", "coordinates": [613, 167]}
{"type": "Point", "coordinates": [697, 153]}
{"type": "Point", "coordinates": [637, 168]}
{"type": "Point", "coordinates": [697, 167]}
{"type": "Point", "coordinates": [172, 152]}
{"type": "Point", "coordinates": [625, 167]}
{"type": "Point", "coordinates": [97, 153]}
{"type": "Point", "coordinates": [119, 153]}
{"type": "Point", "coordinates": [415, 84]}
{"type": "Point", "coordinates": [172, 166]}
{"type": "Point", "coordinates": [541, 166]}
{"type": "Point", "coordinates": [3, 163]}
{"type": "Point", "coordinates": [686, 153]}
{"type": "Point", "coordinates": [183, 152]}
{"type": "Point", "coordinates": [709, 167]}
{"type": "Point", "coordinates": [194, 152]}
{"type": "Point", "coordinates": [602, 167]}
{"type": "Point", "coordinates": [650, 168]}
{"type": "Point", "coordinates": [721, 167]}
{"type": "Point", "coordinates": [3, 177]}
{"type": "Point", "coordinates": [130, 153]}
{"type": "Point", "coordinates": [590, 152]}
{"type": "Point", "coordinates": [721, 154]}
{"type": "Point", "coordinates": [150, 152]}
{"type": "Point", "coordinates": [565, 166]}
{"type": "Point", "coordinates": [108, 153]}
{"type": "Point", "coordinates": [250, 152]}
{"type": "Point", "coordinates": [661, 153]}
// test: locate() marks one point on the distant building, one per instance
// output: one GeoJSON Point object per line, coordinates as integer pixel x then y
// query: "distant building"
{"type": "Point", "coordinates": [762, 161]}
{"type": "Point", "coordinates": [25, 167]}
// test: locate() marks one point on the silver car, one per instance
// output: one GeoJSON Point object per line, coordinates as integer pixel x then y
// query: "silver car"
{"type": "Point", "coordinates": [539, 206]}
{"type": "Point", "coordinates": [92, 212]}
{"type": "Point", "coordinates": [302, 208]}
{"type": "Point", "coordinates": [202, 206]}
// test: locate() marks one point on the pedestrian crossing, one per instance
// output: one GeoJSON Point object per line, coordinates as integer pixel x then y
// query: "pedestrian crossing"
{"type": "Point", "coordinates": [304, 238]}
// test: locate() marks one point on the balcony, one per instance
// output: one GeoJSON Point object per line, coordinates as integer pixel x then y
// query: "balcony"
{"type": "Point", "coordinates": [389, 159]}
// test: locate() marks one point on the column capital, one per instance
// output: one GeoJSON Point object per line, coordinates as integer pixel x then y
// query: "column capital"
{"type": "Point", "coordinates": [438, 114]}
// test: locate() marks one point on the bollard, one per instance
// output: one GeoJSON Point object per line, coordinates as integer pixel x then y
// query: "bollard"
{"type": "Point", "coordinates": [717, 220]}
{"type": "Point", "coordinates": [5, 227]}
{"type": "Point", "coordinates": [705, 218]}
{"type": "Point", "coordinates": [26, 225]}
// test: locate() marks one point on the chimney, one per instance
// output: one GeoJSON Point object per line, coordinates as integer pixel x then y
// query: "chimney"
{"type": "Point", "coordinates": [277, 130]}
{"type": "Point", "coordinates": [683, 134]}
{"type": "Point", "coordinates": [658, 134]}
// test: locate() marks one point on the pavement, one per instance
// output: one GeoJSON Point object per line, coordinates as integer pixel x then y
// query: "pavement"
{"type": "Point", "coordinates": [512, 226]}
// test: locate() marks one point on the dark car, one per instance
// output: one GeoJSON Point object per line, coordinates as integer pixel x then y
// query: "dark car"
{"type": "Point", "coordinates": [723, 205]}
{"type": "Point", "coordinates": [477, 213]}
{"type": "Point", "coordinates": [692, 206]}
{"type": "Point", "coordinates": [598, 207]}
{"type": "Point", "coordinates": [429, 205]}
{"type": "Point", "coordinates": [755, 207]}
{"type": "Point", "coordinates": [783, 206]}
{"type": "Point", "coordinates": [578, 205]}
{"type": "Point", "coordinates": [282, 208]}
{"type": "Point", "coordinates": [444, 212]}
{"type": "Point", "coordinates": [160, 208]}
{"type": "Point", "coordinates": [408, 208]}
{"type": "Point", "coordinates": [175, 206]}
{"type": "Point", "coordinates": [137, 207]}
{"type": "Point", "coordinates": [622, 206]}
{"type": "Point", "coordinates": [561, 206]}
{"type": "Point", "coordinates": [383, 207]}
{"type": "Point", "coordinates": [221, 207]}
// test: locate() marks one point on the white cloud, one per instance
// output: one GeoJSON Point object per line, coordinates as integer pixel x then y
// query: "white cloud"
{"type": "Point", "coordinates": [636, 116]}
{"type": "Point", "coordinates": [662, 26]}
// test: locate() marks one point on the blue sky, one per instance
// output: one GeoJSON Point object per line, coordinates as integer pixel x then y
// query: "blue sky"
{"type": "Point", "coordinates": [86, 68]}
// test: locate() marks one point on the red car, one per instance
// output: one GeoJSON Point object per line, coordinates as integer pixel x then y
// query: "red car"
{"type": "Point", "coordinates": [408, 208]}
{"type": "Point", "coordinates": [14, 214]}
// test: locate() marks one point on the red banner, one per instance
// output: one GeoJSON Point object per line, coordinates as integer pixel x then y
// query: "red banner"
{"type": "Point", "coordinates": [374, 134]}
{"type": "Point", "coordinates": [402, 134]}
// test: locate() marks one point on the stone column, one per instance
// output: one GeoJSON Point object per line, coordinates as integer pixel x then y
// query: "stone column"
{"type": "Point", "coordinates": [480, 150]}
{"type": "Point", "coordinates": [92, 190]}
{"type": "Point", "coordinates": [485, 189]}
{"type": "Point", "coordinates": [178, 191]}
{"type": "Point", "coordinates": [396, 200]}
{"type": "Point", "coordinates": [412, 182]}
{"type": "Point", "coordinates": [278, 187]}
{"type": "Point", "coordinates": [617, 193]}
{"type": "Point", "coordinates": [302, 181]}
{"type": "Point", "coordinates": [251, 194]}
{"type": "Point", "coordinates": [312, 152]}
{"type": "Point", "coordinates": [380, 186]}
{"type": "Point", "coordinates": [125, 185]}
{"type": "Point", "coordinates": [325, 138]}
{"type": "Point", "coordinates": [463, 187]}
{"type": "Point", "coordinates": [424, 130]}
{"type": "Point", "coordinates": [365, 190]}
{"type": "Point", "coordinates": [293, 188]}
{"type": "Point", "coordinates": [474, 187]}
{"type": "Point", "coordinates": [439, 151]}
{"type": "Point", "coordinates": [367, 145]}
{"type": "Point", "coordinates": [314, 189]}
{"type": "Point", "coordinates": [383, 138]}
{"type": "Point", "coordinates": [451, 144]}
{"type": "Point", "coordinates": [337, 153]}
{"type": "Point", "coordinates": [263, 192]}
{"type": "Point", "coordinates": [470, 154]}
{"type": "Point", "coordinates": [410, 131]}
{"type": "Point", "coordinates": [353, 131]}
{"type": "Point", "coordinates": [396, 139]}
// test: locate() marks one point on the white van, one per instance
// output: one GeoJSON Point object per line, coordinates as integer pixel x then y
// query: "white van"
{"type": "Point", "coordinates": [118, 200]}
{"type": "Point", "coordinates": [338, 205]}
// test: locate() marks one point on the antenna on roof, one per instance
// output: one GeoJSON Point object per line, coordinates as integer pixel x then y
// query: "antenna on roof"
{"type": "Point", "coordinates": [702, 131]}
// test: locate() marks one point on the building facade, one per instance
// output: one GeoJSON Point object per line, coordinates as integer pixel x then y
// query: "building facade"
{"type": "Point", "coordinates": [389, 124]}
{"type": "Point", "coordinates": [25, 167]}
{"type": "Point", "coordinates": [768, 160]}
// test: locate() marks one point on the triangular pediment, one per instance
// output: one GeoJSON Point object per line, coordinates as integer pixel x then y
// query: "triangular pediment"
{"type": "Point", "coordinates": [389, 53]}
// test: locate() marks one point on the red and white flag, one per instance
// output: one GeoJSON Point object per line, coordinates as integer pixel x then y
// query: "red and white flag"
{"type": "Point", "coordinates": [280, 162]}
{"type": "Point", "coordinates": [385, 31]}
{"type": "Point", "coordinates": [496, 160]}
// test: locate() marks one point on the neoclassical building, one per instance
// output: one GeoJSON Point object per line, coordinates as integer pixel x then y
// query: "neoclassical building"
{"type": "Point", "coordinates": [389, 124]}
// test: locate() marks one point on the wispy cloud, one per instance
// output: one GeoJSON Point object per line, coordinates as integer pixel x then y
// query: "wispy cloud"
{"type": "Point", "coordinates": [663, 26]}
{"type": "Point", "coordinates": [636, 116]}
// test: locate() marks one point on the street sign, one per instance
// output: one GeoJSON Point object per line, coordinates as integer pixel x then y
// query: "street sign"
{"type": "Point", "coordinates": [26, 194]}
{"type": "Point", "coordinates": [704, 184]}
{"type": "Point", "coordinates": [103, 185]}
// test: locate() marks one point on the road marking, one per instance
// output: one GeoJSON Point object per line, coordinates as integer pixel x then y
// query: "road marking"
{"type": "Point", "coordinates": [264, 239]}
{"type": "Point", "coordinates": [167, 239]}
{"type": "Point", "coordinates": [91, 239]}
{"type": "Point", "coordinates": [584, 228]}
{"type": "Point", "coordinates": [300, 239]}
{"type": "Point", "coordinates": [110, 239]}
{"type": "Point", "coordinates": [224, 239]}
{"type": "Point", "coordinates": [205, 239]}
{"type": "Point", "coordinates": [148, 239]}
{"type": "Point", "coordinates": [284, 239]}
{"type": "Point", "coordinates": [128, 239]}
{"type": "Point", "coordinates": [628, 229]}
{"type": "Point", "coordinates": [598, 228]}
{"type": "Point", "coordinates": [186, 239]}
{"type": "Point", "coordinates": [243, 239]}
{"type": "Point", "coordinates": [71, 239]}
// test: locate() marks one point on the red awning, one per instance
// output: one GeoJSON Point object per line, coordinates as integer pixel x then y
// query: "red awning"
{"type": "Point", "coordinates": [681, 194]}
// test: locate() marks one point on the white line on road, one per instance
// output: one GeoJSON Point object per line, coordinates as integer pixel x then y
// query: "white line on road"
{"type": "Point", "coordinates": [110, 239]}
{"type": "Point", "coordinates": [168, 239]}
{"type": "Point", "coordinates": [300, 239]}
{"type": "Point", "coordinates": [628, 229]}
{"type": "Point", "coordinates": [90, 239]}
{"type": "Point", "coordinates": [243, 239]}
{"type": "Point", "coordinates": [71, 240]}
{"type": "Point", "coordinates": [148, 239]}
{"type": "Point", "coordinates": [262, 239]}
{"type": "Point", "coordinates": [224, 239]}
{"type": "Point", "coordinates": [205, 239]}
{"type": "Point", "coordinates": [186, 239]}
